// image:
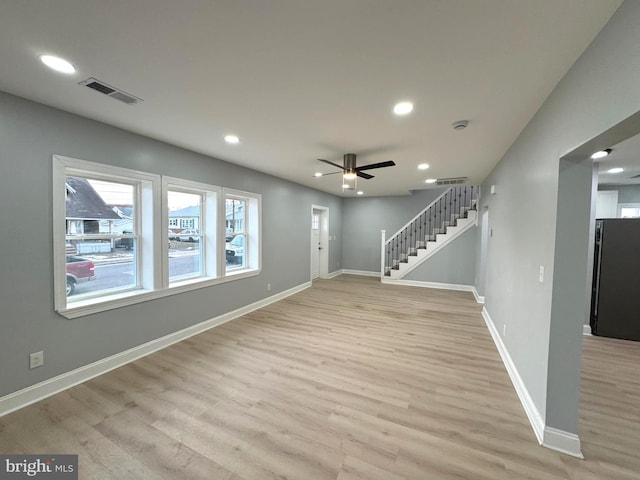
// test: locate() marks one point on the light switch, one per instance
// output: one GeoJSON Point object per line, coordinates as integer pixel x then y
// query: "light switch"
{"type": "Point", "coordinates": [541, 274]}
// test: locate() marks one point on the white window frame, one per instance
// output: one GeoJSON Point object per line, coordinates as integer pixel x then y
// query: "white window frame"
{"type": "Point", "coordinates": [253, 231]}
{"type": "Point", "coordinates": [151, 207]}
{"type": "Point", "coordinates": [209, 257]}
{"type": "Point", "coordinates": [148, 278]}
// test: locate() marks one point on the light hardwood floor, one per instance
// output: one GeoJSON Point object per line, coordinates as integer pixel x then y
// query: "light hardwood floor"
{"type": "Point", "coordinates": [350, 379]}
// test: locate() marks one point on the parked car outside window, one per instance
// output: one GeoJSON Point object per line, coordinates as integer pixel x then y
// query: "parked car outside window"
{"type": "Point", "coordinates": [236, 245]}
{"type": "Point", "coordinates": [126, 243]}
{"type": "Point", "coordinates": [189, 235]}
{"type": "Point", "coordinates": [79, 269]}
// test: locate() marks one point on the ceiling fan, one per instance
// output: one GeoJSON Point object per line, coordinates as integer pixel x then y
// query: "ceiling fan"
{"type": "Point", "coordinates": [351, 171]}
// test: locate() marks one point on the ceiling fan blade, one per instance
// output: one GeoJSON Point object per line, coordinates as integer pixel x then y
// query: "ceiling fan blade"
{"type": "Point", "coordinates": [331, 163]}
{"type": "Point", "coordinates": [366, 176]}
{"type": "Point", "coordinates": [388, 163]}
{"type": "Point", "coordinates": [330, 173]}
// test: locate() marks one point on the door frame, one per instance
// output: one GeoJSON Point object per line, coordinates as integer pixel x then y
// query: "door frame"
{"type": "Point", "coordinates": [323, 260]}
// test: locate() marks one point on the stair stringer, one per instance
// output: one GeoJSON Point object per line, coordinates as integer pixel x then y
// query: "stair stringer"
{"type": "Point", "coordinates": [442, 240]}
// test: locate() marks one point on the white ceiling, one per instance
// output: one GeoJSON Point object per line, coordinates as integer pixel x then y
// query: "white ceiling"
{"type": "Point", "coordinates": [624, 155]}
{"type": "Point", "coordinates": [300, 80]}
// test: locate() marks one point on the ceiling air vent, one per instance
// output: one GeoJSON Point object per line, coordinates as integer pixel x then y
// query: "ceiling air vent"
{"type": "Point", "coordinates": [451, 181]}
{"type": "Point", "coordinates": [100, 86]}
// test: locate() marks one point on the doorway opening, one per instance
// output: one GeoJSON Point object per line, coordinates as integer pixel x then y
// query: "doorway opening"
{"type": "Point", "coordinates": [484, 244]}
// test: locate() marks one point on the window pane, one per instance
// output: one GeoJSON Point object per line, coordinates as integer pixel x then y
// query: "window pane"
{"type": "Point", "coordinates": [185, 243]}
{"type": "Point", "coordinates": [629, 212]}
{"type": "Point", "coordinates": [234, 219]}
{"type": "Point", "coordinates": [106, 261]}
{"type": "Point", "coordinates": [184, 261]}
{"type": "Point", "coordinates": [235, 254]}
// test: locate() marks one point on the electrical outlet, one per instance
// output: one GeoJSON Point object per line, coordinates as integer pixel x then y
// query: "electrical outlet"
{"type": "Point", "coordinates": [541, 274]}
{"type": "Point", "coordinates": [504, 330]}
{"type": "Point", "coordinates": [36, 359]}
{"type": "Point", "coordinates": [268, 287]}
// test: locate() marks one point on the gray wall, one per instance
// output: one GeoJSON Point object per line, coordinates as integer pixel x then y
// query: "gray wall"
{"type": "Point", "coordinates": [363, 218]}
{"type": "Point", "coordinates": [29, 134]}
{"type": "Point", "coordinates": [454, 264]}
{"type": "Point", "coordinates": [600, 90]}
{"type": "Point", "coordinates": [626, 193]}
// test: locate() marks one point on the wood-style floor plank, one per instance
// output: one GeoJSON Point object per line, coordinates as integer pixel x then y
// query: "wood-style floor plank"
{"type": "Point", "coordinates": [348, 380]}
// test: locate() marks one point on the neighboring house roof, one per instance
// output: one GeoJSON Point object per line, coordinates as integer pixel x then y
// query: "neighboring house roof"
{"type": "Point", "coordinates": [192, 211]}
{"type": "Point", "coordinates": [83, 202]}
{"type": "Point", "coordinates": [123, 211]}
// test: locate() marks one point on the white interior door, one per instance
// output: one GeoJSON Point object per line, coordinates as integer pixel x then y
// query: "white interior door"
{"type": "Point", "coordinates": [319, 242]}
{"type": "Point", "coordinates": [315, 253]}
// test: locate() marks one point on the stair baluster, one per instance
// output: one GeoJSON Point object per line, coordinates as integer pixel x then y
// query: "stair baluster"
{"type": "Point", "coordinates": [442, 213]}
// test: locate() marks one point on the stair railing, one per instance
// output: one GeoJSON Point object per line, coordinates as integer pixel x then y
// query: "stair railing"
{"type": "Point", "coordinates": [434, 219]}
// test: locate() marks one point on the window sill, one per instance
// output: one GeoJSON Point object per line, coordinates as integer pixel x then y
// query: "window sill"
{"type": "Point", "coordinates": [96, 305]}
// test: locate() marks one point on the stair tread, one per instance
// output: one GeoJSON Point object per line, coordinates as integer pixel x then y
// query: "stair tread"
{"type": "Point", "coordinates": [450, 220]}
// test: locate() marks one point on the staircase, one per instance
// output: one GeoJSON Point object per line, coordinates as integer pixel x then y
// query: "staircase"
{"type": "Point", "coordinates": [444, 219]}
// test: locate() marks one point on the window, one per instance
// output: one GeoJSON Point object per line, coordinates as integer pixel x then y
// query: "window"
{"type": "Point", "coordinates": [191, 252]}
{"type": "Point", "coordinates": [121, 236]}
{"type": "Point", "coordinates": [242, 222]}
{"type": "Point", "coordinates": [315, 221]}
{"type": "Point", "coordinates": [235, 209]}
{"type": "Point", "coordinates": [628, 210]}
{"type": "Point", "coordinates": [185, 254]}
{"type": "Point", "coordinates": [96, 226]}
{"type": "Point", "coordinates": [103, 233]}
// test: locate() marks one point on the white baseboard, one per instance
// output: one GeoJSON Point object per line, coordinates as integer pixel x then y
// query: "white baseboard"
{"type": "Point", "coordinates": [363, 273]}
{"type": "Point", "coordinates": [535, 418]}
{"type": "Point", "coordinates": [549, 437]}
{"type": "Point", "coordinates": [51, 386]}
{"type": "Point", "coordinates": [562, 441]}
{"type": "Point", "coordinates": [418, 283]}
{"type": "Point", "coordinates": [586, 330]}
{"type": "Point", "coordinates": [334, 274]}
{"type": "Point", "coordinates": [479, 298]}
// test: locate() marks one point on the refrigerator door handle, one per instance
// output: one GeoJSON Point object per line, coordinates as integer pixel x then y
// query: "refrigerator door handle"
{"type": "Point", "coordinates": [599, 265]}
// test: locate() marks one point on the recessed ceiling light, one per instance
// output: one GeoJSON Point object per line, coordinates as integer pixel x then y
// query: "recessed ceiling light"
{"type": "Point", "coordinates": [233, 139]}
{"type": "Point", "coordinates": [317, 174]}
{"type": "Point", "coordinates": [58, 64]}
{"type": "Point", "coordinates": [423, 166]}
{"type": "Point", "coordinates": [403, 108]}
{"type": "Point", "coordinates": [431, 180]}
{"type": "Point", "coordinates": [601, 154]}
{"type": "Point", "coordinates": [360, 192]}
{"type": "Point", "coordinates": [615, 170]}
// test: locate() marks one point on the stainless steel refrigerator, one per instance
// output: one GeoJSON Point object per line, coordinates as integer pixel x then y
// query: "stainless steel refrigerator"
{"type": "Point", "coordinates": [615, 298]}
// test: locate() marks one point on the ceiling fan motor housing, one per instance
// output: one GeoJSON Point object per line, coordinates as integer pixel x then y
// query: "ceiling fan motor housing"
{"type": "Point", "coordinates": [350, 162]}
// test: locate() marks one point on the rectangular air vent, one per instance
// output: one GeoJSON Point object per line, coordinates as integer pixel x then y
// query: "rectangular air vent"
{"type": "Point", "coordinates": [102, 87]}
{"type": "Point", "coordinates": [451, 181]}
